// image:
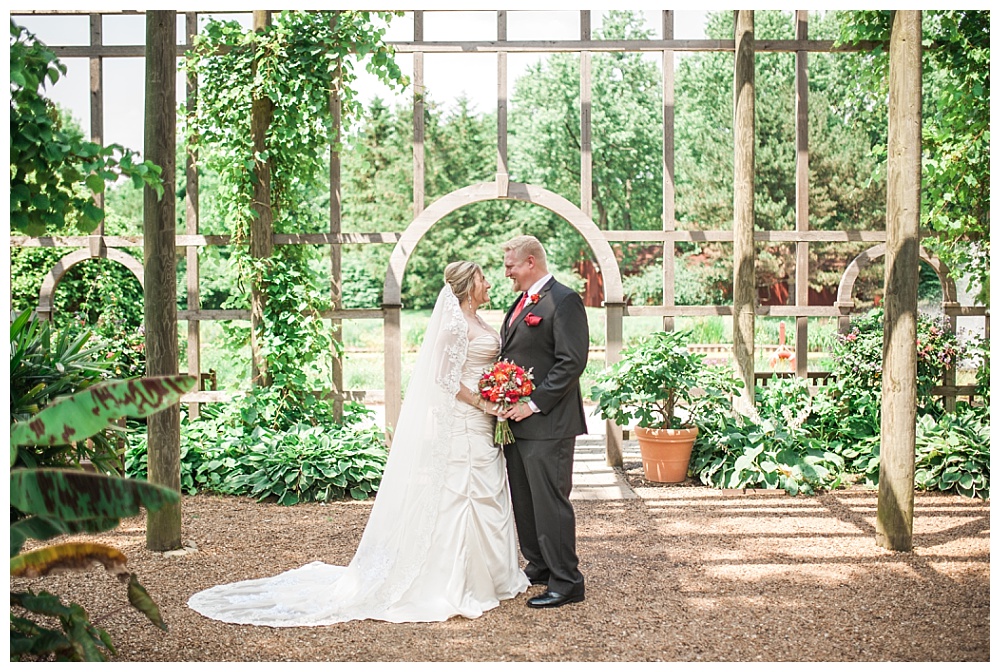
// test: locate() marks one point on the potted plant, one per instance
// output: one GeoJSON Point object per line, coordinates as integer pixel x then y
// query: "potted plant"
{"type": "Point", "coordinates": [662, 386]}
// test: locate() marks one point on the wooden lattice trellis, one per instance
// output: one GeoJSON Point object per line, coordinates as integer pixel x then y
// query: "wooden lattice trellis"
{"type": "Point", "coordinates": [743, 236]}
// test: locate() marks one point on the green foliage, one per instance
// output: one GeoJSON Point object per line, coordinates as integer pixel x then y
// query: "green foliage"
{"type": "Point", "coordinates": [953, 454]}
{"type": "Point", "coordinates": [843, 195]}
{"type": "Point", "coordinates": [54, 172]}
{"type": "Point", "coordinates": [858, 355]}
{"type": "Point", "coordinates": [235, 451]}
{"type": "Point", "coordinates": [697, 282]}
{"type": "Point", "coordinates": [46, 503]}
{"type": "Point", "coordinates": [775, 449]}
{"type": "Point", "coordinates": [627, 140]}
{"type": "Point", "coordinates": [956, 129]}
{"type": "Point", "coordinates": [77, 639]}
{"type": "Point", "coordinates": [296, 63]}
{"type": "Point", "coordinates": [313, 465]}
{"type": "Point", "coordinates": [44, 366]}
{"type": "Point", "coordinates": [655, 378]}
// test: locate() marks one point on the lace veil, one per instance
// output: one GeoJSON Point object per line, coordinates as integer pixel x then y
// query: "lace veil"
{"type": "Point", "coordinates": [397, 538]}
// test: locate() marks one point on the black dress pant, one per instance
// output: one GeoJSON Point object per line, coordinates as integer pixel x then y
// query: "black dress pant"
{"type": "Point", "coordinates": [541, 478]}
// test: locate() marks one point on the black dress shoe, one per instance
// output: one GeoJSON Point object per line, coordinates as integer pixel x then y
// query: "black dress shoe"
{"type": "Point", "coordinates": [550, 599]}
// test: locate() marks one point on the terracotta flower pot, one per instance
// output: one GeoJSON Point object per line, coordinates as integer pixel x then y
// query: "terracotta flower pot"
{"type": "Point", "coordinates": [665, 452]}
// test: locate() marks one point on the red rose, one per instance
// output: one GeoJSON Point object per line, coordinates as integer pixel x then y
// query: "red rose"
{"type": "Point", "coordinates": [532, 320]}
{"type": "Point", "coordinates": [534, 298]}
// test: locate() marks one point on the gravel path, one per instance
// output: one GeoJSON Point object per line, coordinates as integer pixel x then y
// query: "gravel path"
{"type": "Point", "coordinates": [680, 574]}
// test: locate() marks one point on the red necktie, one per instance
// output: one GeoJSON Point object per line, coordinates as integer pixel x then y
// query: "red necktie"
{"type": "Point", "coordinates": [517, 311]}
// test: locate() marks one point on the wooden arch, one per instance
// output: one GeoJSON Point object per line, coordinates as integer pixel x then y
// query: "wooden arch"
{"type": "Point", "coordinates": [845, 291]}
{"type": "Point", "coordinates": [51, 281]}
{"type": "Point", "coordinates": [487, 191]}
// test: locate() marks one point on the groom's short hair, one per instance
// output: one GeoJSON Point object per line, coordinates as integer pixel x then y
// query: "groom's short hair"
{"type": "Point", "coordinates": [525, 246]}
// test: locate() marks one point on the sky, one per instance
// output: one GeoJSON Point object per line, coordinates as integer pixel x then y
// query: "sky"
{"type": "Point", "coordinates": [447, 76]}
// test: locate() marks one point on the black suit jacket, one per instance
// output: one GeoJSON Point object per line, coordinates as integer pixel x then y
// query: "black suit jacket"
{"type": "Point", "coordinates": [556, 349]}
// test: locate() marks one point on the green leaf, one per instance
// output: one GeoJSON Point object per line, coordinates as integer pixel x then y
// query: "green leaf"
{"type": "Point", "coordinates": [95, 184]}
{"type": "Point", "coordinates": [85, 413]}
{"type": "Point", "coordinates": [71, 495]}
{"type": "Point", "coordinates": [139, 598]}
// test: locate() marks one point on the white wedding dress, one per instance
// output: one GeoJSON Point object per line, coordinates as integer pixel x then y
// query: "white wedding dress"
{"type": "Point", "coordinates": [440, 539]}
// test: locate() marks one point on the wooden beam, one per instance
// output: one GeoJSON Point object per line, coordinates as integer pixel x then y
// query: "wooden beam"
{"type": "Point", "coordinates": [526, 47]}
{"type": "Point", "coordinates": [191, 210]}
{"type": "Point", "coordinates": [163, 527]}
{"type": "Point", "coordinates": [418, 116]}
{"type": "Point", "coordinates": [744, 252]}
{"type": "Point", "coordinates": [801, 192]}
{"type": "Point", "coordinates": [719, 236]}
{"type": "Point", "coordinates": [612, 353]}
{"type": "Point", "coordinates": [503, 176]}
{"type": "Point", "coordinates": [262, 226]}
{"type": "Point", "coordinates": [763, 311]}
{"type": "Point", "coordinates": [894, 520]}
{"type": "Point", "coordinates": [586, 124]}
{"type": "Point", "coordinates": [669, 194]}
{"type": "Point", "coordinates": [336, 258]}
{"type": "Point", "coordinates": [97, 99]}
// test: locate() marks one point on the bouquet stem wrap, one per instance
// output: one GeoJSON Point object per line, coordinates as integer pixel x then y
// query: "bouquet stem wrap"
{"type": "Point", "coordinates": [502, 436]}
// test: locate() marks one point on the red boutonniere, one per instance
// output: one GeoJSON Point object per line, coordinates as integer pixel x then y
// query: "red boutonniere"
{"type": "Point", "coordinates": [532, 320]}
{"type": "Point", "coordinates": [534, 298]}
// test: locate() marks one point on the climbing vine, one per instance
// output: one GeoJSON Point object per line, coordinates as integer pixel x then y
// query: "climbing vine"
{"type": "Point", "coordinates": [296, 63]}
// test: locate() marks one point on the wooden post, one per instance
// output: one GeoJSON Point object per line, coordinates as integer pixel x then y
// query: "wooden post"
{"type": "Point", "coordinates": [97, 98]}
{"type": "Point", "coordinates": [586, 146]}
{"type": "Point", "coordinates": [669, 210]}
{"type": "Point", "coordinates": [163, 527]}
{"type": "Point", "coordinates": [393, 333]}
{"type": "Point", "coordinates": [191, 227]}
{"type": "Point", "coordinates": [418, 119]}
{"type": "Point", "coordinates": [614, 313]}
{"type": "Point", "coordinates": [744, 274]}
{"type": "Point", "coordinates": [336, 259]}
{"type": "Point", "coordinates": [503, 176]}
{"type": "Point", "coordinates": [894, 524]}
{"type": "Point", "coordinates": [262, 226]}
{"type": "Point", "coordinates": [802, 192]}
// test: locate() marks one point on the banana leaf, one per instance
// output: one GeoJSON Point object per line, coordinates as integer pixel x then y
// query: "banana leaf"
{"type": "Point", "coordinates": [44, 528]}
{"type": "Point", "coordinates": [72, 495]}
{"type": "Point", "coordinates": [69, 556]}
{"type": "Point", "coordinates": [83, 414]}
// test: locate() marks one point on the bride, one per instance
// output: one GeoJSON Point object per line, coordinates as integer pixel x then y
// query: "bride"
{"type": "Point", "coordinates": [440, 538]}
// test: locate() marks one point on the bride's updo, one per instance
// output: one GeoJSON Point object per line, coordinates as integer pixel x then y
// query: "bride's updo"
{"type": "Point", "coordinates": [461, 275]}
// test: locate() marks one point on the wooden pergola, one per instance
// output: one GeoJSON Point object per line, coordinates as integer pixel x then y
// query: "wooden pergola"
{"type": "Point", "coordinates": [899, 243]}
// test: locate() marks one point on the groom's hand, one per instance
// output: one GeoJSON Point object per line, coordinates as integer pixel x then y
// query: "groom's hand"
{"type": "Point", "coordinates": [519, 412]}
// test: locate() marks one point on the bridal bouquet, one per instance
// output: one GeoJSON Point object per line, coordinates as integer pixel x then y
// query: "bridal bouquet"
{"type": "Point", "coordinates": [505, 384]}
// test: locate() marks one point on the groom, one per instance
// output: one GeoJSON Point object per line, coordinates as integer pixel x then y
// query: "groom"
{"type": "Point", "coordinates": [545, 330]}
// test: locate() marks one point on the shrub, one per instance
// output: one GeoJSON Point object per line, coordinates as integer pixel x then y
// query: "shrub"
{"type": "Point", "coordinates": [233, 450]}
{"type": "Point", "coordinates": [46, 365]}
{"type": "Point", "coordinates": [858, 354]}
{"type": "Point", "coordinates": [776, 449]}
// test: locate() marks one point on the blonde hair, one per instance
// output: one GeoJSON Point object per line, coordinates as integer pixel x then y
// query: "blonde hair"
{"type": "Point", "coordinates": [525, 246]}
{"type": "Point", "coordinates": [461, 275]}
